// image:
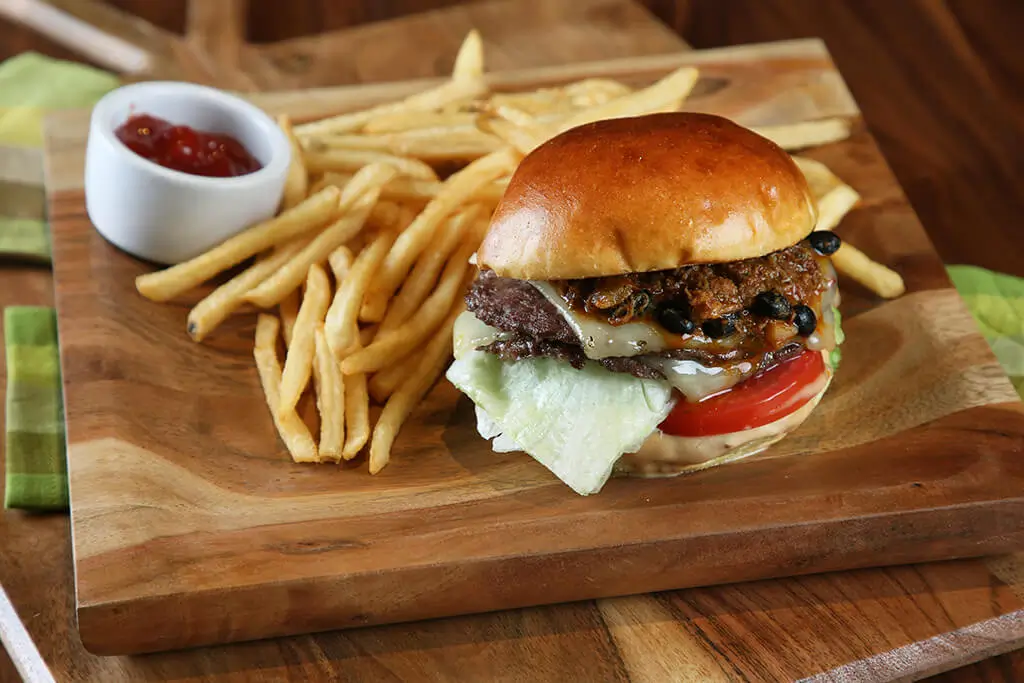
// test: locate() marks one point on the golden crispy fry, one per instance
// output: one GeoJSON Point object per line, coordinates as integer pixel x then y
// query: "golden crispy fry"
{"type": "Point", "coordinates": [341, 324]}
{"type": "Point", "coordinates": [665, 95]}
{"type": "Point", "coordinates": [310, 214]}
{"type": "Point", "coordinates": [340, 262]}
{"type": "Point", "coordinates": [330, 399]}
{"type": "Point", "coordinates": [415, 120]}
{"type": "Point", "coordinates": [511, 114]}
{"type": "Point", "coordinates": [426, 144]}
{"type": "Point", "coordinates": [357, 415]}
{"type": "Point", "coordinates": [291, 274]}
{"type": "Point", "coordinates": [469, 61]}
{"type": "Point", "coordinates": [459, 189]}
{"type": "Point", "coordinates": [807, 134]}
{"type": "Point", "coordinates": [424, 274]}
{"type": "Point", "coordinates": [322, 158]}
{"type": "Point", "coordinates": [289, 311]}
{"type": "Point", "coordinates": [296, 184]}
{"type": "Point", "coordinates": [392, 345]}
{"type": "Point", "coordinates": [524, 138]}
{"type": "Point", "coordinates": [428, 100]}
{"type": "Point", "coordinates": [591, 92]}
{"type": "Point", "coordinates": [881, 280]}
{"type": "Point", "coordinates": [819, 177]}
{"type": "Point", "coordinates": [410, 190]}
{"type": "Point", "coordinates": [299, 360]}
{"type": "Point", "coordinates": [428, 368]}
{"type": "Point", "coordinates": [223, 301]}
{"type": "Point", "coordinates": [834, 205]}
{"type": "Point", "coordinates": [293, 431]}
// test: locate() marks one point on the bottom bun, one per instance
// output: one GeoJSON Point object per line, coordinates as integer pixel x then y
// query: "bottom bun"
{"type": "Point", "coordinates": [664, 455]}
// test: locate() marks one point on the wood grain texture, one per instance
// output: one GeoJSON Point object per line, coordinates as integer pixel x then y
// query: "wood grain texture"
{"type": "Point", "coordinates": [190, 527]}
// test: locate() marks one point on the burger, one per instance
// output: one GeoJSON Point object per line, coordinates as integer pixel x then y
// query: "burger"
{"type": "Point", "coordinates": [652, 299]}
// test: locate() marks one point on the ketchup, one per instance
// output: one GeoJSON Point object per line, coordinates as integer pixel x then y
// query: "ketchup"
{"type": "Point", "coordinates": [185, 149]}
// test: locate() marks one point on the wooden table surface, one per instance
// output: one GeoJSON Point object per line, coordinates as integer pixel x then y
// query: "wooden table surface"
{"type": "Point", "coordinates": [939, 84]}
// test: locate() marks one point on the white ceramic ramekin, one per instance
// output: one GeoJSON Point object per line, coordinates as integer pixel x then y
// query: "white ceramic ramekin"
{"type": "Point", "coordinates": [164, 215]}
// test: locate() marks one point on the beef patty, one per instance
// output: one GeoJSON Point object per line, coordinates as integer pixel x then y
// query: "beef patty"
{"type": "Point", "coordinates": [726, 294]}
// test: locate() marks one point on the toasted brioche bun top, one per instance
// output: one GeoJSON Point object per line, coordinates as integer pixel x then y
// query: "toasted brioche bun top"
{"type": "Point", "coordinates": [646, 193]}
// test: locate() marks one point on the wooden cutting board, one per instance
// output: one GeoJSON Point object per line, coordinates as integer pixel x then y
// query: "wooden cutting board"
{"type": "Point", "coordinates": [191, 526]}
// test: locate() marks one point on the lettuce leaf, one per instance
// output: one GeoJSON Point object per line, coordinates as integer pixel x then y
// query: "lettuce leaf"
{"type": "Point", "coordinates": [576, 423]}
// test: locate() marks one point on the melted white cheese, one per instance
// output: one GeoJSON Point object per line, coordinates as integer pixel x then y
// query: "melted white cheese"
{"type": "Point", "coordinates": [695, 381]}
{"type": "Point", "coordinates": [599, 339]}
{"type": "Point", "coordinates": [470, 333]}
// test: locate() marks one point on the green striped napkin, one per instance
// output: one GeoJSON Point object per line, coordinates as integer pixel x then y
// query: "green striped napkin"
{"type": "Point", "coordinates": [997, 303]}
{"type": "Point", "coordinates": [30, 86]}
{"type": "Point", "coordinates": [36, 468]}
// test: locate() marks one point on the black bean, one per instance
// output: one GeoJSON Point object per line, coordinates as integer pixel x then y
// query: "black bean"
{"type": "Point", "coordinates": [675, 320]}
{"type": "Point", "coordinates": [805, 320]}
{"type": "Point", "coordinates": [772, 305]}
{"type": "Point", "coordinates": [717, 328]}
{"type": "Point", "coordinates": [825, 242]}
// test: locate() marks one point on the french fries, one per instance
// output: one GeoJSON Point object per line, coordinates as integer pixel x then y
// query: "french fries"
{"type": "Point", "coordinates": [303, 218]}
{"type": "Point", "coordinates": [407, 336]}
{"type": "Point", "coordinates": [411, 391]}
{"type": "Point", "coordinates": [342, 317]}
{"type": "Point", "coordinates": [223, 301]}
{"type": "Point", "coordinates": [329, 385]}
{"type": "Point", "coordinates": [320, 158]}
{"type": "Point", "coordinates": [297, 182]}
{"type": "Point", "coordinates": [290, 427]}
{"type": "Point", "coordinates": [457, 190]}
{"type": "Point", "coordinates": [298, 362]}
{"type": "Point", "coordinates": [364, 269]}
{"type": "Point", "coordinates": [796, 136]}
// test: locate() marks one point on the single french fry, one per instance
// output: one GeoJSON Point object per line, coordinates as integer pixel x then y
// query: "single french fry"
{"type": "Point", "coordinates": [429, 100]}
{"type": "Point", "coordinates": [298, 362]}
{"type": "Point", "coordinates": [296, 182]}
{"type": "Point", "coordinates": [330, 399]}
{"type": "Point", "coordinates": [591, 92]}
{"type": "Point", "coordinates": [309, 215]}
{"type": "Point", "coordinates": [834, 205]}
{"type": "Point", "coordinates": [428, 266]}
{"type": "Point", "coordinates": [289, 311]}
{"type": "Point", "coordinates": [321, 158]}
{"type": "Point", "coordinates": [665, 95]}
{"type": "Point", "coordinates": [396, 411]}
{"type": "Point", "coordinates": [340, 262]}
{"type": "Point", "coordinates": [819, 177]}
{"type": "Point", "coordinates": [807, 134]}
{"type": "Point", "coordinates": [341, 323]}
{"type": "Point", "coordinates": [392, 345]}
{"type": "Point", "coordinates": [357, 415]}
{"type": "Point", "coordinates": [426, 144]}
{"type": "Point", "coordinates": [469, 60]}
{"type": "Point", "coordinates": [414, 120]}
{"type": "Point", "coordinates": [290, 427]}
{"type": "Point", "coordinates": [883, 281]}
{"type": "Point", "coordinates": [291, 274]}
{"type": "Point", "coordinates": [512, 114]}
{"type": "Point", "coordinates": [411, 190]}
{"type": "Point", "coordinates": [459, 189]}
{"type": "Point", "coordinates": [226, 299]}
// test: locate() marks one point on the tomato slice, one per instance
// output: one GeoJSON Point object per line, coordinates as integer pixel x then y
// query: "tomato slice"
{"type": "Point", "coordinates": [757, 401]}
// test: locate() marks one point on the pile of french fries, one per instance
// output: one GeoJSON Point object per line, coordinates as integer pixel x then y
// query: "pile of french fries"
{"type": "Point", "coordinates": [362, 273]}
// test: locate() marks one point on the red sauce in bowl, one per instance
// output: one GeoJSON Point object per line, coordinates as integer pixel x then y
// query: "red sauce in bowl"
{"type": "Point", "coordinates": [185, 149]}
